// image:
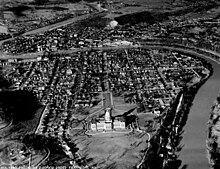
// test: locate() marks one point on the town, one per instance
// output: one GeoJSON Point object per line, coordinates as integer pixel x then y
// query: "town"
{"type": "Point", "coordinates": [105, 86]}
{"type": "Point", "coordinates": [198, 32]}
{"type": "Point", "coordinates": [143, 82]}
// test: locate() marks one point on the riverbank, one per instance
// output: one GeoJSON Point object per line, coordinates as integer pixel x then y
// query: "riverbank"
{"type": "Point", "coordinates": [213, 137]}
{"type": "Point", "coordinates": [167, 142]}
{"type": "Point", "coordinates": [194, 155]}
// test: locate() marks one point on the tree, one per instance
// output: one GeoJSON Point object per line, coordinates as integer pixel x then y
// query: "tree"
{"type": "Point", "coordinates": [40, 142]}
{"type": "Point", "coordinates": [20, 104]}
{"type": "Point", "coordinates": [4, 83]}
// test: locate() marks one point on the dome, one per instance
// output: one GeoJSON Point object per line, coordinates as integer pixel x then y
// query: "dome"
{"type": "Point", "coordinates": [113, 24]}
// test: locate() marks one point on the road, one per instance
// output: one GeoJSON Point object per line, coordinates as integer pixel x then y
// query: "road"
{"type": "Point", "coordinates": [41, 119]}
{"type": "Point", "coordinates": [101, 109]}
{"type": "Point", "coordinates": [148, 145]}
{"type": "Point", "coordinates": [44, 159]}
{"type": "Point", "coordinates": [107, 99]}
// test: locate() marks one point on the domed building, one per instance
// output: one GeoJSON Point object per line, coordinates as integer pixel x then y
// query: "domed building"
{"type": "Point", "coordinates": [108, 123]}
{"type": "Point", "coordinates": [113, 24]}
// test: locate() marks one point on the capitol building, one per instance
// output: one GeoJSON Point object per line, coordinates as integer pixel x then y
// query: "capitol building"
{"type": "Point", "coordinates": [108, 123]}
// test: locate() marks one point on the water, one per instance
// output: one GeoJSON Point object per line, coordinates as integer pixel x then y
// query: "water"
{"type": "Point", "coordinates": [194, 153]}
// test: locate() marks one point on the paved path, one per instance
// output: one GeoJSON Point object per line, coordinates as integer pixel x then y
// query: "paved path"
{"type": "Point", "coordinates": [44, 159]}
{"type": "Point", "coordinates": [41, 119]}
{"type": "Point", "coordinates": [101, 109]}
{"type": "Point", "coordinates": [148, 145]}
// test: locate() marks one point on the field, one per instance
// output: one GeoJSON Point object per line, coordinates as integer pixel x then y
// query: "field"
{"type": "Point", "coordinates": [120, 152]}
{"type": "Point", "coordinates": [121, 107]}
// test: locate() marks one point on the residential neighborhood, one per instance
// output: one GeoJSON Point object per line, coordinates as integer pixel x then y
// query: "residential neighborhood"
{"type": "Point", "coordinates": [71, 86]}
{"type": "Point", "coordinates": [110, 88]}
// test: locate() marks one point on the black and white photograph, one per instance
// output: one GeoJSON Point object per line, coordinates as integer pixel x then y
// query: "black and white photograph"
{"type": "Point", "coordinates": [109, 84]}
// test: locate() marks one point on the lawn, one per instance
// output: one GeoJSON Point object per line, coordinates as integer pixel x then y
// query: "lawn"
{"type": "Point", "coordinates": [146, 121]}
{"type": "Point", "coordinates": [119, 151]}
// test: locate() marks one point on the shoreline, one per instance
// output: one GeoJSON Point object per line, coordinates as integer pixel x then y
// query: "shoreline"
{"type": "Point", "coordinates": [193, 88]}
{"type": "Point", "coordinates": [213, 135]}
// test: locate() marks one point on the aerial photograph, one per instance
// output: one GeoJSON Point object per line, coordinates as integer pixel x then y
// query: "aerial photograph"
{"type": "Point", "coordinates": [109, 84]}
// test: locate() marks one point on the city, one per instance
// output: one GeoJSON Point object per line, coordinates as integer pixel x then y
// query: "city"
{"type": "Point", "coordinates": [117, 95]}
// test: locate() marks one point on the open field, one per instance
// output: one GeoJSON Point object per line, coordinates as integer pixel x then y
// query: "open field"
{"type": "Point", "coordinates": [118, 152]}
{"type": "Point", "coordinates": [121, 107]}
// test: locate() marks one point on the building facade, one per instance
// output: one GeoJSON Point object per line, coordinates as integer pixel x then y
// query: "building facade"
{"type": "Point", "coordinates": [108, 123]}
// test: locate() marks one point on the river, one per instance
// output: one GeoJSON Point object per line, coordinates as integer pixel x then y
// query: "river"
{"type": "Point", "coordinates": [194, 153]}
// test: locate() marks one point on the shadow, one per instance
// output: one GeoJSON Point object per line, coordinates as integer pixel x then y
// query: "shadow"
{"type": "Point", "coordinates": [21, 105]}
{"type": "Point", "coordinates": [18, 10]}
{"type": "Point", "coordinates": [97, 21]}
{"type": "Point", "coordinates": [4, 83]}
{"type": "Point", "coordinates": [128, 112]}
{"type": "Point", "coordinates": [139, 17]}
{"type": "Point", "coordinates": [130, 119]}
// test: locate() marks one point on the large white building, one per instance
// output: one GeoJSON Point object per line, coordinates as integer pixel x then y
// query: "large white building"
{"type": "Point", "coordinates": [107, 123]}
{"type": "Point", "coordinates": [113, 24]}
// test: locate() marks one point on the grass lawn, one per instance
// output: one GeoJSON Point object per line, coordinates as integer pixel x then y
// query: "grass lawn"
{"type": "Point", "coordinates": [144, 119]}
{"type": "Point", "coordinates": [119, 104]}
{"type": "Point", "coordinates": [120, 151]}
